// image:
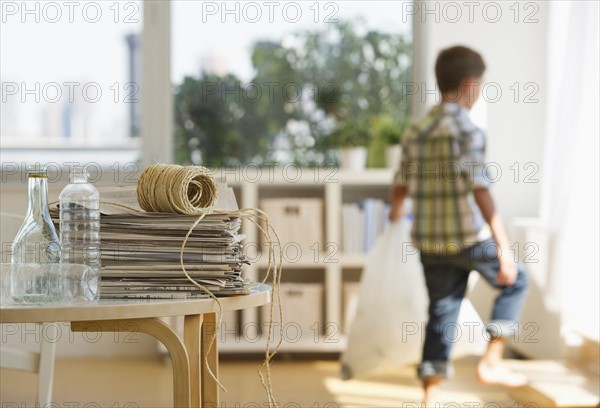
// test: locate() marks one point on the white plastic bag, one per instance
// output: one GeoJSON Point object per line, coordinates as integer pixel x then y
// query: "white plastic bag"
{"type": "Point", "coordinates": [389, 326]}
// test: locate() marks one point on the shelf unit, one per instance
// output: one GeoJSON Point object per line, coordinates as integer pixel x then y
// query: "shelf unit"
{"type": "Point", "coordinates": [335, 187]}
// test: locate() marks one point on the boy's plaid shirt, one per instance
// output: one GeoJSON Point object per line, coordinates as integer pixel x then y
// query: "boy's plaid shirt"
{"type": "Point", "coordinates": [443, 160]}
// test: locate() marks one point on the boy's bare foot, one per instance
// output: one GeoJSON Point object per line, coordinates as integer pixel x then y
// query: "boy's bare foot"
{"type": "Point", "coordinates": [498, 373]}
{"type": "Point", "coordinates": [431, 388]}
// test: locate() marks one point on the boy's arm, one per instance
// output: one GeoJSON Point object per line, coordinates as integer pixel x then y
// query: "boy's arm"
{"type": "Point", "coordinates": [398, 196]}
{"type": "Point", "coordinates": [508, 269]}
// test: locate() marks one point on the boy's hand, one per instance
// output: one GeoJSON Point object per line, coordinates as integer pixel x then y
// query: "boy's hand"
{"type": "Point", "coordinates": [507, 274]}
{"type": "Point", "coordinates": [397, 200]}
{"type": "Point", "coordinates": [395, 213]}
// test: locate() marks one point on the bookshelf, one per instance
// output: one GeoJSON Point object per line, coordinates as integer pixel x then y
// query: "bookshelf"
{"type": "Point", "coordinates": [251, 185]}
{"type": "Point", "coordinates": [328, 265]}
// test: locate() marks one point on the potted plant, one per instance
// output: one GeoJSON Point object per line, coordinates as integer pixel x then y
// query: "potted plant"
{"type": "Point", "coordinates": [391, 131]}
{"type": "Point", "coordinates": [351, 139]}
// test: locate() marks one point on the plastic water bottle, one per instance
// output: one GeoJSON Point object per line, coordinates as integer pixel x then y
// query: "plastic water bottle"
{"type": "Point", "coordinates": [80, 221]}
{"type": "Point", "coordinates": [36, 242]}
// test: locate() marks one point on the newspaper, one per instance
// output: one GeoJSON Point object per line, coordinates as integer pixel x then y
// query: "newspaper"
{"type": "Point", "coordinates": [140, 251]}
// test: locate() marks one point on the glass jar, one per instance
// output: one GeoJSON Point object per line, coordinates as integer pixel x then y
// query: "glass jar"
{"type": "Point", "coordinates": [36, 242]}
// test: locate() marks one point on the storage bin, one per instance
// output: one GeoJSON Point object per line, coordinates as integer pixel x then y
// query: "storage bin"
{"type": "Point", "coordinates": [298, 222]}
{"type": "Point", "coordinates": [302, 308]}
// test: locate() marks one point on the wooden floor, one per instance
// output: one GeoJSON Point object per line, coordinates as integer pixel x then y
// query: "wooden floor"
{"type": "Point", "coordinates": [148, 383]}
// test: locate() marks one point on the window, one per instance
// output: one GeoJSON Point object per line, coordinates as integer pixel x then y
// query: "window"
{"type": "Point", "coordinates": [266, 81]}
{"type": "Point", "coordinates": [70, 81]}
{"type": "Point", "coordinates": [72, 75]}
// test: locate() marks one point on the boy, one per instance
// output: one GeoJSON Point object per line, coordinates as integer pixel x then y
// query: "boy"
{"type": "Point", "coordinates": [443, 170]}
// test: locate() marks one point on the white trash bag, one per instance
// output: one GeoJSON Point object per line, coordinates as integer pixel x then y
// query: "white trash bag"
{"type": "Point", "coordinates": [389, 326]}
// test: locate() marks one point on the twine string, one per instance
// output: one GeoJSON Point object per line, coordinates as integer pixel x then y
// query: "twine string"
{"type": "Point", "coordinates": [276, 269]}
{"type": "Point", "coordinates": [191, 190]}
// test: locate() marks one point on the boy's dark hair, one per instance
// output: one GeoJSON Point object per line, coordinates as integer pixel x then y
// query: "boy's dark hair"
{"type": "Point", "coordinates": [455, 64]}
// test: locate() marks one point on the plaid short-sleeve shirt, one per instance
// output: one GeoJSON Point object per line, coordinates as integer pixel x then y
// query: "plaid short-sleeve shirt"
{"type": "Point", "coordinates": [443, 161]}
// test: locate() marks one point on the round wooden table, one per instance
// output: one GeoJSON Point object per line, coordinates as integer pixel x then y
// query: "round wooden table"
{"type": "Point", "coordinates": [193, 386]}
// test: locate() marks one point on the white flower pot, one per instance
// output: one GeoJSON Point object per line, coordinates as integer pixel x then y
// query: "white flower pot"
{"type": "Point", "coordinates": [393, 154]}
{"type": "Point", "coordinates": [353, 158]}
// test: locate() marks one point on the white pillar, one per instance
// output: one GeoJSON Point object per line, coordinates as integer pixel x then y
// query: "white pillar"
{"type": "Point", "coordinates": [422, 65]}
{"type": "Point", "coordinates": [156, 90]}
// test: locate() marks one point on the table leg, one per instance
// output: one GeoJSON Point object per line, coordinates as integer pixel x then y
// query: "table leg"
{"type": "Point", "coordinates": [163, 333]}
{"type": "Point", "coordinates": [191, 338]}
{"type": "Point", "coordinates": [46, 368]}
{"type": "Point", "coordinates": [210, 390]}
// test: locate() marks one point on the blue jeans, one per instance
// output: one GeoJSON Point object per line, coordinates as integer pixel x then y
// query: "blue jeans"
{"type": "Point", "coordinates": [446, 278]}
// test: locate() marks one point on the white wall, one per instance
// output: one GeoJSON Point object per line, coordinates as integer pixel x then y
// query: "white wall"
{"type": "Point", "coordinates": [513, 52]}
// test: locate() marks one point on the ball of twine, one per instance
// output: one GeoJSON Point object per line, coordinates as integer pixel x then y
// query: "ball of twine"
{"type": "Point", "coordinates": [171, 188]}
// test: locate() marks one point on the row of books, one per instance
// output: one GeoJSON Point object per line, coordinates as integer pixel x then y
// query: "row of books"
{"type": "Point", "coordinates": [362, 223]}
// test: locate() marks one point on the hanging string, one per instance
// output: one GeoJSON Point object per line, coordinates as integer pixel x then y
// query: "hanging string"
{"type": "Point", "coordinates": [191, 190]}
{"type": "Point", "coordinates": [273, 268]}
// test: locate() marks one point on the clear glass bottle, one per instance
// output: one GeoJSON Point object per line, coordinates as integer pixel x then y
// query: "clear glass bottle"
{"type": "Point", "coordinates": [36, 242]}
{"type": "Point", "coordinates": [65, 283]}
{"type": "Point", "coordinates": [80, 221]}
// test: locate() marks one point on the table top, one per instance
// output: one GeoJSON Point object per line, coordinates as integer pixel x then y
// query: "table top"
{"type": "Point", "coordinates": [132, 309]}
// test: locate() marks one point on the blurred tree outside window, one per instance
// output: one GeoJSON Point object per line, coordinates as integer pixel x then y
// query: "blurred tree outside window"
{"type": "Point", "coordinates": [304, 87]}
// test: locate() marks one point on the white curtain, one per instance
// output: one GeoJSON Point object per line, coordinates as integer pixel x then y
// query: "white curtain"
{"type": "Point", "coordinates": [571, 174]}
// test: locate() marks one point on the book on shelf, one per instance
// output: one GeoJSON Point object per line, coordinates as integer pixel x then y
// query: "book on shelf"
{"type": "Point", "coordinates": [362, 223]}
{"type": "Point", "coordinates": [353, 227]}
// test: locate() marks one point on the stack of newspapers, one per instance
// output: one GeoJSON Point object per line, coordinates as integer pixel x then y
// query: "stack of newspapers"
{"type": "Point", "coordinates": [141, 251]}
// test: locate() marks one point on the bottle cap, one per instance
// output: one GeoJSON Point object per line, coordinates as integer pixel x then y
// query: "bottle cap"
{"type": "Point", "coordinates": [37, 170]}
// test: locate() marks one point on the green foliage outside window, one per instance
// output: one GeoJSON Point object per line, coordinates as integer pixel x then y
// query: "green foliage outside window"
{"type": "Point", "coordinates": [309, 90]}
{"type": "Point", "coordinates": [349, 133]}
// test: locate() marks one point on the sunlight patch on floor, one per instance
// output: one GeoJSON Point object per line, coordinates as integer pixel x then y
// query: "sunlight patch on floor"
{"type": "Point", "coordinates": [367, 393]}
